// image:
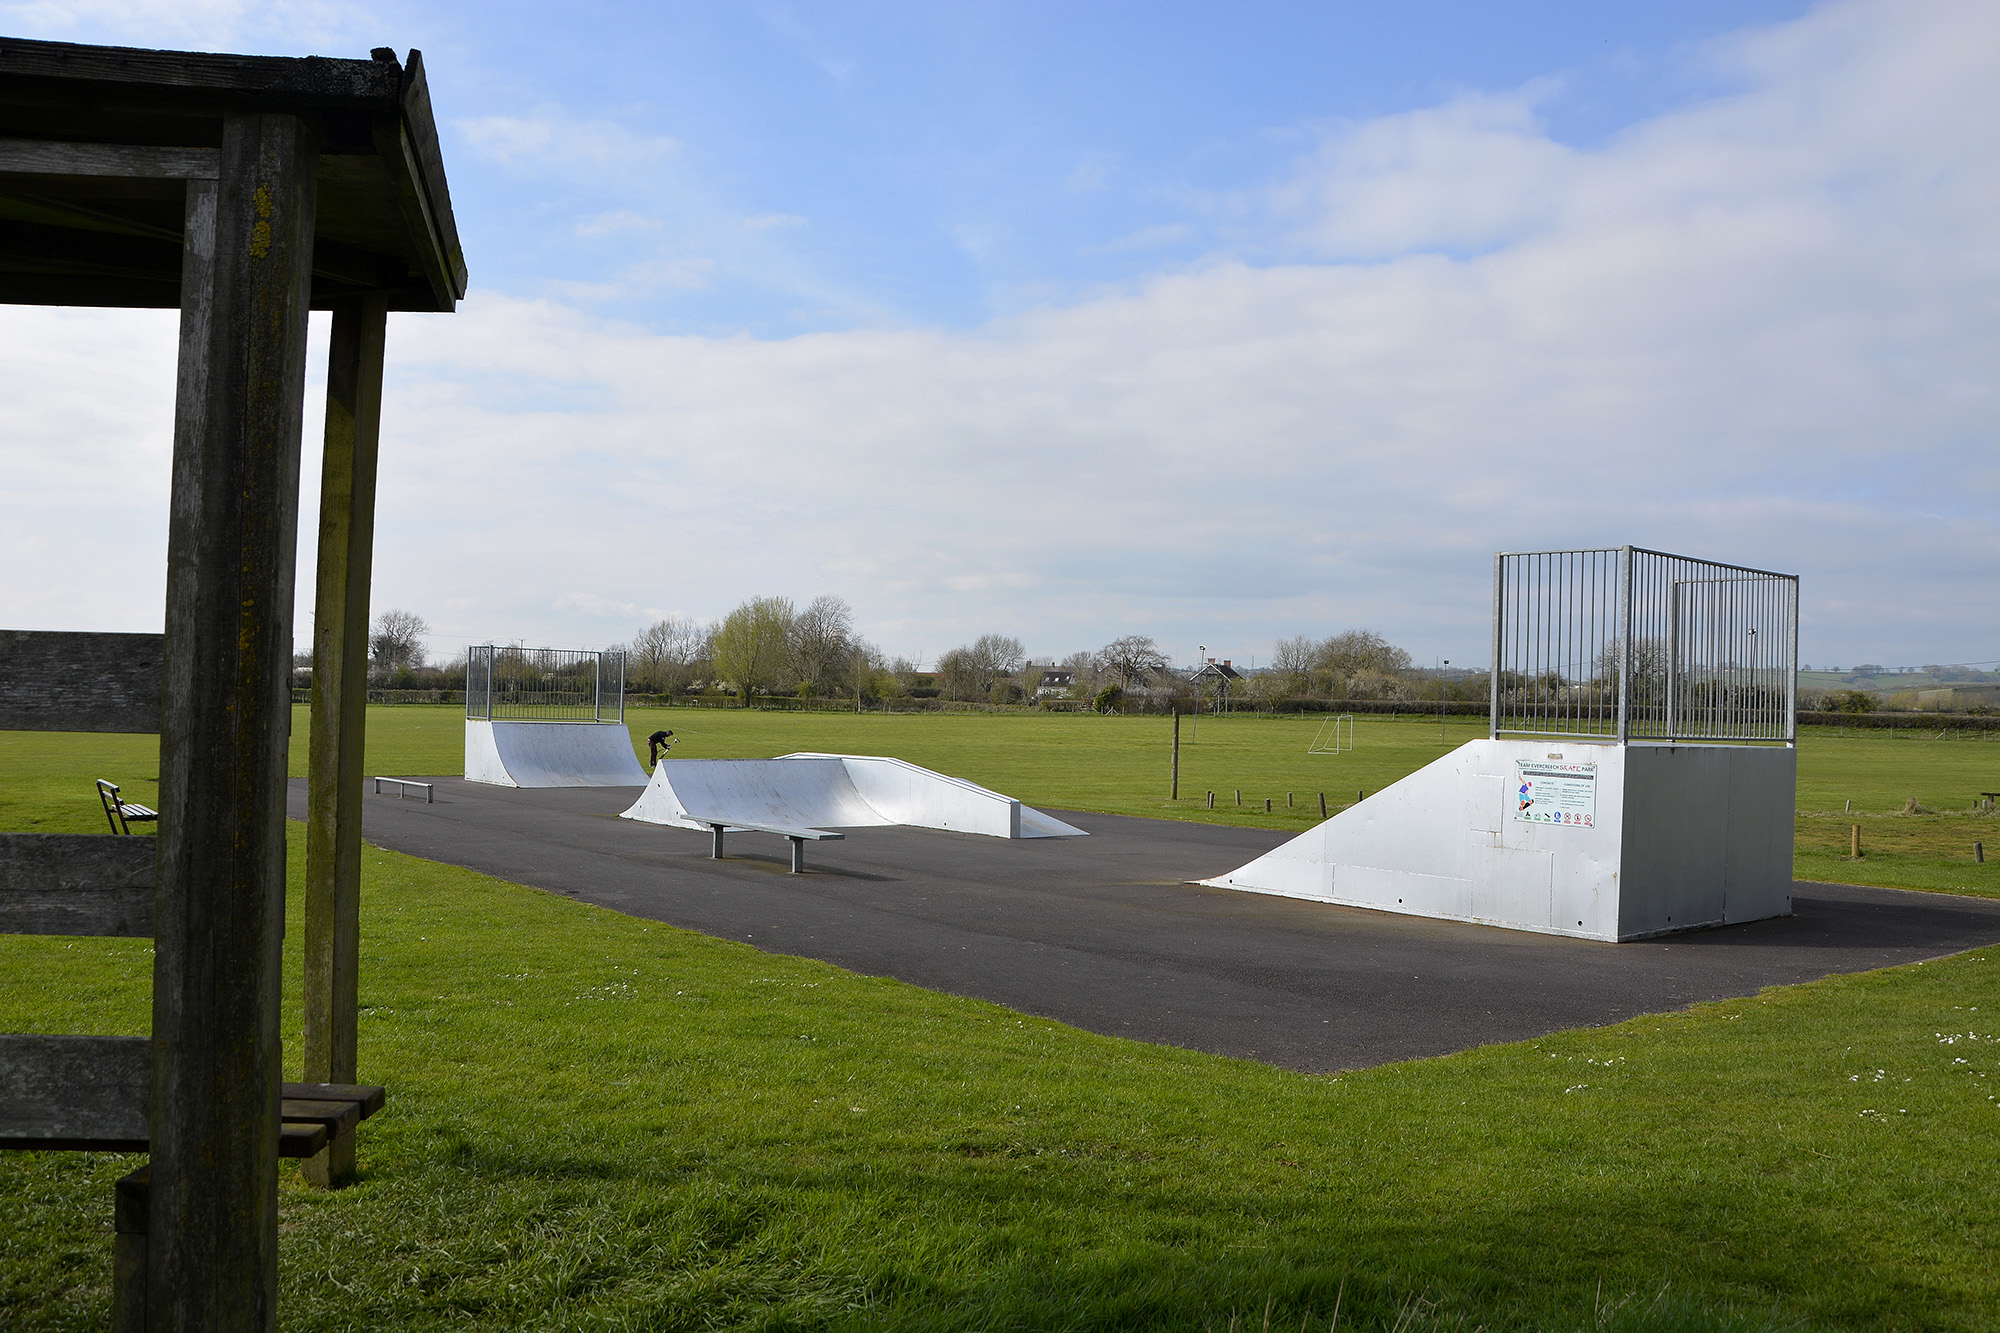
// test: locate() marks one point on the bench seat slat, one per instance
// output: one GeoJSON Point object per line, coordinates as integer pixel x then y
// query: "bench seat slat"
{"type": "Point", "coordinates": [367, 1096]}
{"type": "Point", "coordinates": [301, 1140]}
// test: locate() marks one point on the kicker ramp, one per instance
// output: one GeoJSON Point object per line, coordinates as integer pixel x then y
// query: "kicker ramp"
{"type": "Point", "coordinates": [551, 754]}
{"type": "Point", "coordinates": [1606, 842]}
{"type": "Point", "coordinates": [832, 791]}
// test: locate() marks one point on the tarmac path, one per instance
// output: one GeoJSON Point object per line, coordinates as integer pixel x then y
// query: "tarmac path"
{"type": "Point", "coordinates": [1105, 932]}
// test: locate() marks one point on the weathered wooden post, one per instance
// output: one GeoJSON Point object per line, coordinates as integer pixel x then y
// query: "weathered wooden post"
{"type": "Point", "coordinates": [212, 1260]}
{"type": "Point", "coordinates": [339, 708]}
{"type": "Point", "coordinates": [242, 190]}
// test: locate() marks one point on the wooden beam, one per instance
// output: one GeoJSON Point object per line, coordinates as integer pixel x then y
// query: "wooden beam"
{"type": "Point", "coordinates": [131, 74]}
{"type": "Point", "coordinates": [421, 129]}
{"type": "Point", "coordinates": [53, 681]}
{"type": "Point", "coordinates": [339, 709]}
{"type": "Point", "coordinates": [76, 884]}
{"type": "Point", "coordinates": [225, 728]}
{"type": "Point", "coordinates": [49, 157]}
{"type": "Point", "coordinates": [75, 1092]}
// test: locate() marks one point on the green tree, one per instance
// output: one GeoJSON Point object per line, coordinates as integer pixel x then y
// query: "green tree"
{"type": "Point", "coordinates": [753, 645]}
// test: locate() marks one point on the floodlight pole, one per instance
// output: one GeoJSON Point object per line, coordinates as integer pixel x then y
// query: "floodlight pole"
{"type": "Point", "coordinates": [1445, 663]}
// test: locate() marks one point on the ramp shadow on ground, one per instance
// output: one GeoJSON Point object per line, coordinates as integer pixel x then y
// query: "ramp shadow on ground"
{"type": "Point", "coordinates": [1106, 933]}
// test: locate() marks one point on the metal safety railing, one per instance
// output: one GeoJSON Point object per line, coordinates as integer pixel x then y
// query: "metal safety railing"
{"type": "Point", "coordinates": [515, 684]}
{"type": "Point", "coordinates": [1624, 644]}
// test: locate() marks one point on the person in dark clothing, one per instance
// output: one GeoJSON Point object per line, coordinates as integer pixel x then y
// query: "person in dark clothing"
{"type": "Point", "coordinates": [658, 744]}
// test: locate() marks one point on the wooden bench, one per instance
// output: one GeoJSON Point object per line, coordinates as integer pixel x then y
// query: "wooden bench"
{"type": "Point", "coordinates": [120, 813]}
{"type": "Point", "coordinates": [799, 837]}
{"type": "Point", "coordinates": [94, 1093]}
{"type": "Point", "coordinates": [311, 1116]}
{"type": "Point", "coordinates": [1989, 797]}
{"type": "Point", "coordinates": [403, 785]}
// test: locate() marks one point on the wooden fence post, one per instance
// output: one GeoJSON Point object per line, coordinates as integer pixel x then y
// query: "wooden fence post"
{"type": "Point", "coordinates": [212, 1225]}
{"type": "Point", "coordinates": [340, 709]}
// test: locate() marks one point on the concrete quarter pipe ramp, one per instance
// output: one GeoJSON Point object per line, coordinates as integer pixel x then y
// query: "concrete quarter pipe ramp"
{"type": "Point", "coordinates": [551, 754]}
{"type": "Point", "coordinates": [1606, 842]}
{"type": "Point", "coordinates": [832, 791]}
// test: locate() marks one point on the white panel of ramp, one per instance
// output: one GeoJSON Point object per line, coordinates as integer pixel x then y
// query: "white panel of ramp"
{"type": "Point", "coordinates": [551, 754]}
{"type": "Point", "coordinates": [833, 791]}
{"type": "Point", "coordinates": [1662, 838]}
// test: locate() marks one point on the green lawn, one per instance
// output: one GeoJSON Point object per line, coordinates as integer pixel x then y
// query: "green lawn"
{"type": "Point", "coordinates": [603, 1123]}
{"type": "Point", "coordinates": [1121, 765]}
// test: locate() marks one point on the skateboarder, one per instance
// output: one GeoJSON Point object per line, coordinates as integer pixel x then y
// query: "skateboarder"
{"type": "Point", "coordinates": [658, 744]}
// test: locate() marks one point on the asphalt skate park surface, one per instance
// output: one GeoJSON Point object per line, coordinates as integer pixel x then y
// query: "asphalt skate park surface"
{"type": "Point", "coordinates": [1105, 932]}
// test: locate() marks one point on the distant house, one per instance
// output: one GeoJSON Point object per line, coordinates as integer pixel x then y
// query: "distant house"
{"type": "Point", "coordinates": [1221, 675]}
{"type": "Point", "coordinates": [1054, 681]}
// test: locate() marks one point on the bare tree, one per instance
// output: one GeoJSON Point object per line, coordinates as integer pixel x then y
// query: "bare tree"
{"type": "Point", "coordinates": [970, 672]}
{"type": "Point", "coordinates": [753, 645]}
{"type": "Point", "coordinates": [397, 643]}
{"type": "Point", "coordinates": [1000, 654]}
{"type": "Point", "coordinates": [1292, 664]}
{"type": "Point", "coordinates": [823, 644]}
{"type": "Point", "coordinates": [667, 655]}
{"type": "Point", "coordinates": [1130, 660]}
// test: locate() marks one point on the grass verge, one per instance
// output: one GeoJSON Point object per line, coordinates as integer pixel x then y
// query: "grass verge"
{"type": "Point", "coordinates": [604, 1123]}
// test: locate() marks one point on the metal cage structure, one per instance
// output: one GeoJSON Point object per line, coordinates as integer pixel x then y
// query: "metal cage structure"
{"type": "Point", "coordinates": [1626, 645]}
{"type": "Point", "coordinates": [509, 683]}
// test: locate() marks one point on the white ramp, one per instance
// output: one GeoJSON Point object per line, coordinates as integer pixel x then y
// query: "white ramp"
{"type": "Point", "coordinates": [832, 791]}
{"type": "Point", "coordinates": [1605, 842]}
{"type": "Point", "coordinates": [551, 754]}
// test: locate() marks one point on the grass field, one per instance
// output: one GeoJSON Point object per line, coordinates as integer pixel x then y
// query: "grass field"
{"type": "Point", "coordinates": [1121, 765]}
{"type": "Point", "coordinates": [603, 1123]}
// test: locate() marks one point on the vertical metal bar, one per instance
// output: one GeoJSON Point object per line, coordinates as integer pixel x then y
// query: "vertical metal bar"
{"type": "Point", "coordinates": [1673, 660]}
{"type": "Point", "coordinates": [1792, 658]}
{"type": "Point", "coordinates": [1624, 642]}
{"type": "Point", "coordinates": [1493, 688]}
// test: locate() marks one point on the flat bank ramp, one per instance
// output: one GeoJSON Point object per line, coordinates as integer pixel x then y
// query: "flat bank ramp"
{"type": "Point", "coordinates": [833, 791]}
{"type": "Point", "coordinates": [551, 754]}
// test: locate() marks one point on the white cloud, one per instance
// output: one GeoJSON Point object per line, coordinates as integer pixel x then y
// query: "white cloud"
{"type": "Point", "coordinates": [301, 27]}
{"type": "Point", "coordinates": [1758, 329]}
{"type": "Point", "coordinates": [617, 222]}
{"type": "Point", "coordinates": [550, 141]}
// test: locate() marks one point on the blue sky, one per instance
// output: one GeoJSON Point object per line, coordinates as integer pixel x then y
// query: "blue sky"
{"type": "Point", "coordinates": [819, 167]}
{"type": "Point", "coordinates": [1220, 324]}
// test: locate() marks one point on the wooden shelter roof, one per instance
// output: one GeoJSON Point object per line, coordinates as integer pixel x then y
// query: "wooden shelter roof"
{"type": "Point", "coordinates": [127, 126]}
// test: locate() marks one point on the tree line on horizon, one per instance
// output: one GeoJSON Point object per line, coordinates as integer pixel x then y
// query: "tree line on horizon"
{"type": "Point", "coordinates": [770, 646]}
